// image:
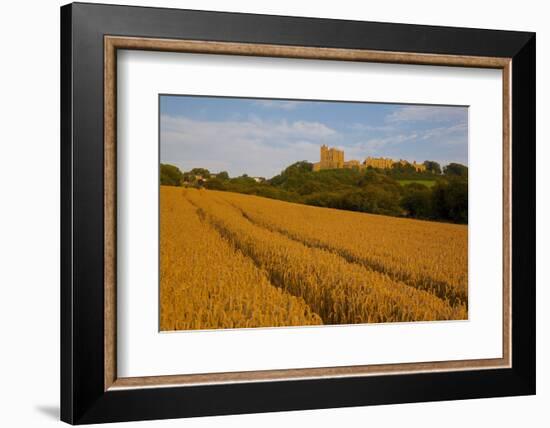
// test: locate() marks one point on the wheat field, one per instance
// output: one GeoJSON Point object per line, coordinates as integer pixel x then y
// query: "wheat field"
{"type": "Point", "coordinates": [230, 260]}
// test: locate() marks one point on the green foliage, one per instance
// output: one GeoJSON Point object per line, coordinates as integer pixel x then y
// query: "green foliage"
{"type": "Point", "coordinates": [433, 167]}
{"type": "Point", "coordinates": [298, 168]}
{"type": "Point", "coordinates": [300, 179]}
{"type": "Point", "coordinates": [407, 172]}
{"type": "Point", "coordinates": [215, 184]}
{"type": "Point", "coordinates": [170, 175]}
{"type": "Point", "coordinates": [222, 175]}
{"type": "Point", "coordinates": [450, 200]}
{"type": "Point", "coordinates": [376, 199]}
{"type": "Point", "coordinates": [404, 169]}
{"type": "Point", "coordinates": [416, 201]}
{"type": "Point", "coordinates": [456, 170]}
{"type": "Point", "coordinates": [200, 172]}
{"type": "Point", "coordinates": [423, 195]}
{"type": "Point", "coordinates": [427, 183]}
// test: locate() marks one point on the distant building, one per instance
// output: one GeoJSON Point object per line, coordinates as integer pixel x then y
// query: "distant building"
{"type": "Point", "coordinates": [258, 179]}
{"type": "Point", "coordinates": [332, 158]}
{"type": "Point", "coordinates": [382, 163]}
{"type": "Point", "coordinates": [352, 164]}
{"type": "Point", "coordinates": [420, 167]}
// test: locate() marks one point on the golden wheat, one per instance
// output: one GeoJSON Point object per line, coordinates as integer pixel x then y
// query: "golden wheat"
{"type": "Point", "coordinates": [339, 291]}
{"type": "Point", "coordinates": [205, 283]}
{"type": "Point", "coordinates": [427, 255]}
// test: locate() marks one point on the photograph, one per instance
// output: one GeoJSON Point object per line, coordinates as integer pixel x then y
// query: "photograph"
{"type": "Point", "coordinates": [276, 210]}
{"type": "Point", "coordinates": [291, 213]}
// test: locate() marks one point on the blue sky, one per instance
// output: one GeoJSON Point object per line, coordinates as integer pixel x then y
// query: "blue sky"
{"type": "Point", "coordinates": [260, 137]}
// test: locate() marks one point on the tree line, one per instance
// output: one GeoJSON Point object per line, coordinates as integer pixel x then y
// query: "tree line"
{"type": "Point", "coordinates": [371, 190]}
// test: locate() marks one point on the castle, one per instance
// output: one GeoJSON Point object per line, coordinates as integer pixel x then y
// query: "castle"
{"type": "Point", "coordinates": [333, 159]}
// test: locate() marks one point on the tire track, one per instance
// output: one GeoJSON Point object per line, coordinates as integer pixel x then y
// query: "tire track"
{"type": "Point", "coordinates": [441, 289]}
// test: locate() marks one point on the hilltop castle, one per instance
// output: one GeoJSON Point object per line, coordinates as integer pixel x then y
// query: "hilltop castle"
{"type": "Point", "coordinates": [333, 159]}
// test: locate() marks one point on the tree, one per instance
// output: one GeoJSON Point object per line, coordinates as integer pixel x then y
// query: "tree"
{"type": "Point", "coordinates": [188, 178]}
{"type": "Point", "coordinates": [215, 184]}
{"type": "Point", "coordinates": [432, 167]}
{"type": "Point", "coordinates": [298, 172]}
{"type": "Point", "coordinates": [416, 201]}
{"type": "Point", "coordinates": [450, 200]}
{"type": "Point", "coordinates": [223, 175]}
{"type": "Point", "coordinates": [374, 199]}
{"type": "Point", "coordinates": [170, 175]}
{"type": "Point", "coordinates": [298, 168]}
{"type": "Point", "coordinates": [403, 167]}
{"type": "Point", "coordinates": [203, 172]}
{"type": "Point", "coordinates": [378, 191]}
{"type": "Point", "coordinates": [309, 187]}
{"type": "Point", "coordinates": [457, 200]}
{"type": "Point", "coordinates": [455, 169]}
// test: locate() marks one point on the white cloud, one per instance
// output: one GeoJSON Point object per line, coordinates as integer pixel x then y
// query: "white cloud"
{"type": "Point", "coordinates": [414, 145]}
{"type": "Point", "coordinates": [445, 134]}
{"type": "Point", "coordinates": [376, 146]}
{"type": "Point", "coordinates": [254, 146]}
{"type": "Point", "coordinates": [428, 113]}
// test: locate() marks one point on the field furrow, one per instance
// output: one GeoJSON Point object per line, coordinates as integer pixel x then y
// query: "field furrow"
{"type": "Point", "coordinates": [426, 255]}
{"type": "Point", "coordinates": [206, 284]}
{"type": "Point", "coordinates": [339, 291]}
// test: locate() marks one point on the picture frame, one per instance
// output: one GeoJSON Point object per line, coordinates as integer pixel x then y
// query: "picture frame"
{"type": "Point", "coordinates": [91, 35]}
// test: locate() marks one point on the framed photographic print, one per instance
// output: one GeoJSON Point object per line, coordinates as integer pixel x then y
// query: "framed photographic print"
{"type": "Point", "coordinates": [265, 213]}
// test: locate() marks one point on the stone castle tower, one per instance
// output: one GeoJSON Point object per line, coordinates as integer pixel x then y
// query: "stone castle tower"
{"type": "Point", "coordinates": [332, 158]}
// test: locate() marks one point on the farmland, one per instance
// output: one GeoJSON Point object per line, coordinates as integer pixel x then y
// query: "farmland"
{"type": "Point", "coordinates": [230, 260]}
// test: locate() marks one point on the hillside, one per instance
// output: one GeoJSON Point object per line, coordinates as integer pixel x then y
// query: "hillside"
{"type": "Point", "coordinates": [401, 191]}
